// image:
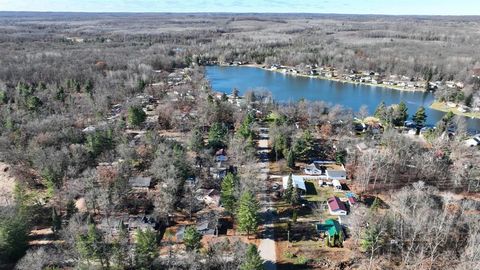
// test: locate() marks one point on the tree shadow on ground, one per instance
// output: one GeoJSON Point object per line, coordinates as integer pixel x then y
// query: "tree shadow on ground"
{"type": "Point", "coordinates": [310, 187]}
{"type": "Point", "coordinates": [370, 199]}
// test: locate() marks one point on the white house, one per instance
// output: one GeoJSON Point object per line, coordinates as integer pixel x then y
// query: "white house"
{"type": "Point", "coordinates": [336, 207]}
{"type": "Point", "coordinates": [329, 170]}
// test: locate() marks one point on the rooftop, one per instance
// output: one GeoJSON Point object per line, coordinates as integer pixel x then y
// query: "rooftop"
{"type": "Point", "coordinates": [335, 204]}
{"type": "Point", "coordinates": [331, 226]}
{"type": "Point", "coordinates": [297, 181]}
{"type": "Point", "coordinates": [140, 182]}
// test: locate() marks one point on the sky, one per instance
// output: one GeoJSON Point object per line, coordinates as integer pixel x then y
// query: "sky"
{"type": "Point", "coordinates": [390, 7]}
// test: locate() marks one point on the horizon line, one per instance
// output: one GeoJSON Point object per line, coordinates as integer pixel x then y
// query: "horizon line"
{"type": "Point", "coordinates": [253, 12]}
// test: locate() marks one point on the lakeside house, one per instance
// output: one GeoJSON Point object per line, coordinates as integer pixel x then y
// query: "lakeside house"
{"type": "Point", "coordinates": [336, 207]}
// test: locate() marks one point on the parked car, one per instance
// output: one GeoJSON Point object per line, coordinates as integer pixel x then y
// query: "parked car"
{"type": "Point", "coordinates": [275, 186]}
{"type": "Point", "coordinates": [474, 141]}
{"type": "Point", "coordinates": [410, 124]}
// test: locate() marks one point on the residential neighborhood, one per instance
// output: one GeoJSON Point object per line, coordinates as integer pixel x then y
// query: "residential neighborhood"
{"type": "Point", "coordinates": [211, 136]}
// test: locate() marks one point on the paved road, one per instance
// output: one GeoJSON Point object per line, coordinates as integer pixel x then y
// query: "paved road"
{"type": "Point", "coordinates": [267, 247]}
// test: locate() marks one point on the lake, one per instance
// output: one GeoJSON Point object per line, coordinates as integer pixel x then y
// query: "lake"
{"type": "Point", "coordinates": [286, 88]}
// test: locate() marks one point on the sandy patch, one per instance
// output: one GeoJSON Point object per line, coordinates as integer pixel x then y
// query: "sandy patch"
{"type": "Point", "coordinates": [7, 185]}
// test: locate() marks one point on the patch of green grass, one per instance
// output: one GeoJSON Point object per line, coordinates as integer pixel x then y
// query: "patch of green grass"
{"type": "Point", "coordinates": [301, 260]}
{"type": "Point", "coordinates": [320, 194]}
{"type": "Point", "coordinates": [288, 255]}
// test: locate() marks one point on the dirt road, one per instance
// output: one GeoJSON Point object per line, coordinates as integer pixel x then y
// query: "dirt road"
{"type": "Point", "coordinates": [267, 247]}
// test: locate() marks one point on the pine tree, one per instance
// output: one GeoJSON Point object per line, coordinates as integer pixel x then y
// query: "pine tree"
{"type": "Point", "coordinates": [60, 95]}
{"type": "Point", "coordinates": [192, 238]}
{"type": "Point", "coordinates": [13, 237]}
{"type": "Point", "coordinates": [253, 261]}
{"type": "Point", "coordinates": [341, 156]}
{"type": "Point", "coordinates": [295, 196]}
{"type": "Point", "coordinates": [217, 136]}
{"type": "Point", "coordinates": [71, 209]}
{"type": "Point", "coordinates": [121, 247]}
{"type": "Point", "coordinates": [3, 96]}
{"type": "Point", "coordinates": [89, 87]}
{"type": "Point", "coordinates": [381, 111]}
{"type": "Point", "coordinates": [291, 159]}
{"type": "Point", "coordinates": [375, 204]}
{"type": "Point", "coordinates": [136, 116]}
{"type": "Point", "coordinates": [141, 85]}
{"type": "Point", "coordinates": [288, 193]}
{"type": "Point", "coordinates": [146, 248]}
{"type": "Point", "coordinates": [446, 122]}
{"type": "Point", "coordinates": [372, 237]}
{"type": "Point", "coordinates": [56, 221]}
{"type": "Point", "coordinates": [227, 196]}
{"type": "Point", "coordinates": [196, 140]}
{"type": "Point", "coordinates": [294, 216]}
{"type": "Point", "coordinates": [247, 215]}
{"type": "Point", "coordinates": [91, 244]}
{"type": "Point", "coordinates": [305, 146]}
{"type": "Point", "coordinates": [400, 114]}
{"type": "Point", "coordinates": [420, 118]}
{"type": "Point", "coordinates": [245, 129]}
{"type": "Point", "coordinates": [235, 92]}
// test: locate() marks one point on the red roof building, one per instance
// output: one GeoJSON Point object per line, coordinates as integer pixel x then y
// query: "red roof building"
{"type": "Point", "coordinates": [336, 207]}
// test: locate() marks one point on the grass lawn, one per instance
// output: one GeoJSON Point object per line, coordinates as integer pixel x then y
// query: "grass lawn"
{"type": "Point", "coordinates": [441, 106]}
{"type": "Point", "coordinates": [315, 193]}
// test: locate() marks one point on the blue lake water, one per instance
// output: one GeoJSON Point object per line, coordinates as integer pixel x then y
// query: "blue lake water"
{"type": "Point", "coordinates": [286, 88]}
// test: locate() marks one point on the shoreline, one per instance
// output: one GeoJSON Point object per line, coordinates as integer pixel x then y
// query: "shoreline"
{"type": "Point", "coordinates": [442, 106]}
{"type": "Point", "coordinates": [397, 88]}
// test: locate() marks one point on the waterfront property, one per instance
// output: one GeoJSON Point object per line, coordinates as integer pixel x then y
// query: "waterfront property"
{"type": "Point", "coordinates": [286, 88]}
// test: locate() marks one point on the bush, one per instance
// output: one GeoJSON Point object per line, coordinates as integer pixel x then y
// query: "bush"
{"type": "Point", "coordinates": [288, 255]}
{"type": "Point", "coordinates": [33, 103]}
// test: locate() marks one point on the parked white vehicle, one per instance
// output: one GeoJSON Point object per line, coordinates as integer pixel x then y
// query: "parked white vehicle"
{"type": "Point", "coordinates": [474, 141]}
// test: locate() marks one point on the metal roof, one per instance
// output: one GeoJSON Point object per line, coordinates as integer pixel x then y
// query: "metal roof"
{"type": "Point", "coordinates": [335, 204]}
{"type": "Point", "coordinates": [140, 181]}
{"type": "Point", "coordinates": [297, 181]}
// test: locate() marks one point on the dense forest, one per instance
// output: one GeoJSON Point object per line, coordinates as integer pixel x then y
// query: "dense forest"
{"type": "Point", "coordinates": [94, 105]}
